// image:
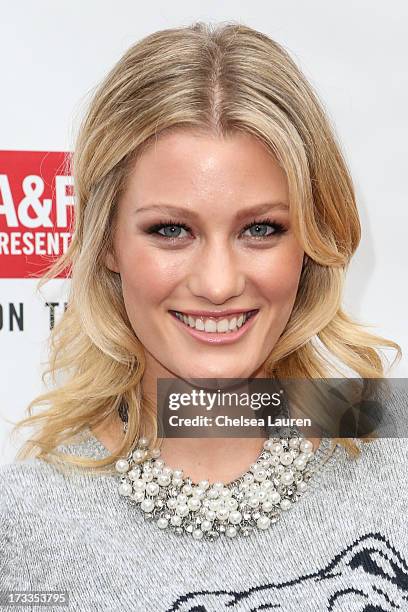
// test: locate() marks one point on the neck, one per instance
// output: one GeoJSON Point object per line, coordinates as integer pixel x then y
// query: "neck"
{"type": "Point", "coordinates": [212, 459]}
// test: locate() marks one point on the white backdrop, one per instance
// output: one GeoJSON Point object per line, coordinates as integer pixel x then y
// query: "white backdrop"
{"type": "Point", "coordinates": [54, 53]}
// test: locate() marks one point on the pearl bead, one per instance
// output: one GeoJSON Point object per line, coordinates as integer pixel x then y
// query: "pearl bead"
{"type": "Point", "coordinates": [306, 446]}
{"type": "Point", "coordinates": [171, 503]}
{"type": "Point", "coordinates": [177, 473]}
{"type": "Point", "coordinates": [139, 485]}
{"type": "Point", "coordinates": [125, 488]}
{"type": "Point", "coordinates": [232, 503]}
{"type": "Point", "coordinates": [222, 514]}
{"type": "Point", "coordinates": [263, 522]}
{"type": "Point", "coordinates": [212, 493]}
{"type": "Point", "coordinates": [176, 520]}
{"type": "Point", "coordinates": [197, 534]}
{"type": "Point", "coordinates": [134, 473]}
{"type": "Point", "coordinates": [210, 514]}
{"type": "Point", "coordinates": [143, 442]}
{"type": "Point", "coordinates": [301, 486]}
{"type": "Point", "coordinates": [162, 522]}
{"type": "Point", "coordinates": [294, 442]}
{"type": "Point", "coordinates": [286, 458]}
{"type": "Point", "coordinates": [159, 463]}
{"type": "Point", "coordinates": [198, 492]}
{"type": "Point", "coordinates": [299, 464]}
{"type": "Point", "coordinates": [253, 502]}
{"type": "Point", "coordinates": [204, 484]}
{"type": "Point", "coordinates": [235, 517]}
{"type": "Point", "coordinates": [206, 525]}
{"type": "Point", "coordinates": [182, 509]}
{"type": "Point", "coordinates": [152, 488]}
{"type": "Point", "coordinates": [260, 475]}
{"type": "Point", "coordinates": [268, 444]}
{"type": "Point", "coordinates": [194, 503]}
{"type": "Point", "coordinates": [155, 452]}
{"type": "Point", "coordinates": [167, 470]}
{"type": "Point", "coordinates": [261, 495]}
{"type": "Point", "coordinates": [147, 476]}
{"type": "Point", "coordinates": [286, 478]}
{"type": "Point", "coordinates": [164, 480]}
{"type": "Point", "coordinates": [275, 497]}
{"type": "Point", "coordinates": [187, 489]}
{"type": "Point", "coordinates": [147, 505]}
{"type": "Point", "coordinates": [181, 498]}
{"type": "Point", "coordinates": [231, 531]}
{"type": "Point", "coordinates": [277, 448]}
{"type": "Point", "coordinates": [177, 482]}
{"type": "Point", "coordinates": [139, 455]}
{"type": "Point", "coordinates": [138, 496]}
{"type": "Point", "coordinates": [122, 466]}
{"type": "Point", "coordinates": [225, 493]}
{"type": "Point", "coordinates": [267, 506]}
{"type": "Point", "coordinates": [218, 486]}
{"type": "Point", "coordinates": [285, 504]}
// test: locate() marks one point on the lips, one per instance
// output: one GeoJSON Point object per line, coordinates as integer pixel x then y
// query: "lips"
{"type": "Point", "coordinates": [225, 336]}
{"type": "Point", "coordinates": [215, 314]}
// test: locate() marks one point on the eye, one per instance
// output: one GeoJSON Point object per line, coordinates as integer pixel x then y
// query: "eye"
{"type": "Point", "coordinates": [261, 228]}
{"type": "Point", "coordinates": [172, 230]}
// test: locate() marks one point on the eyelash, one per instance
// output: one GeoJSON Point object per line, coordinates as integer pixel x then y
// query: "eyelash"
{"type": "Point", "coordinates": [278, 227]}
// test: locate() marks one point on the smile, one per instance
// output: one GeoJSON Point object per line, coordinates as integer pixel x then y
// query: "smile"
{"type": "Point", "coordinates": [219, 330]}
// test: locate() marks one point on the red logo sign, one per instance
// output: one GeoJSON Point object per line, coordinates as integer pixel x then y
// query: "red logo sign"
{"type": "Point", "coordinates": [36, 211]}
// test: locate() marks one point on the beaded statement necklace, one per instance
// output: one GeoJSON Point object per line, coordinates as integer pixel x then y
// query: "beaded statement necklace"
{"type": "Point", "coordinates": [254, 500]}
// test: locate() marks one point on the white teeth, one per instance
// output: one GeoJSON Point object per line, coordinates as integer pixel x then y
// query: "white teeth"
{"type": "Point", "coordinates": [222, 326]}
{"type": "Point", "coordinates": [211, 325]}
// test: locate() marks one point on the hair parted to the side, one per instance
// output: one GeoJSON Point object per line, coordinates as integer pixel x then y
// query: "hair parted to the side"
{"type": "Point", "coordinates": [221, 79]}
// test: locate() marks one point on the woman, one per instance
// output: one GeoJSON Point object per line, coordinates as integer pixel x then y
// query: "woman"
{"type": "Point", "coordinates": [209, 185]}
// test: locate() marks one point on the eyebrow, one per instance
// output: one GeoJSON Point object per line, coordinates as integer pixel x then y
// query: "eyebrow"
{"type": "Point", "coordinates": [258, 209]}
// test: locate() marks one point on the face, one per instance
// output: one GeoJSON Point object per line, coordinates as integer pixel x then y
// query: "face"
{"type": "Point", "coordinates": [203, 227]}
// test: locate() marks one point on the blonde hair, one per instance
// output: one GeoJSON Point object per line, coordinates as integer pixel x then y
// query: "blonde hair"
{"type": "Point", "coordinates": [221, 79]}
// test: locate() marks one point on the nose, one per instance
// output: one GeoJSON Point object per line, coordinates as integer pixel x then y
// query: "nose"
{"type": "Point", "coordinates": [216, 274]}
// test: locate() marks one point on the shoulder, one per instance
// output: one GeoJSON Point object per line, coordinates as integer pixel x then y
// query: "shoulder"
{"type": "Point", "coordinates": [23, 483]}
{"type": "Point", "coordinates": [33, 482]}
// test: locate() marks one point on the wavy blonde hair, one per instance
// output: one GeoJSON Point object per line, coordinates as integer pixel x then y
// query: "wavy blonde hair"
{"type": "Point", "coordinates": [220, 79]}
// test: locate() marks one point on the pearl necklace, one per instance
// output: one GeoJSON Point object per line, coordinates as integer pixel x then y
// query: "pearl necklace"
{"type": "Point", "coordinates": [254, 500]}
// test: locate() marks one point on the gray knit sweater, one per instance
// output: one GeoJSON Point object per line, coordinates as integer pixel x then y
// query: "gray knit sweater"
{"type": "Point", "coordinates": [342, 547]}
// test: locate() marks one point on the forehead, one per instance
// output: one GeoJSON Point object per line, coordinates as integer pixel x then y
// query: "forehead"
{"type": "Point", "coordinates": [189, 167]}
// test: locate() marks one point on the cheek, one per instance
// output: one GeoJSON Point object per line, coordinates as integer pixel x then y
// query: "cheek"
{"type": "Point", "coordinates": [278, 277]}
{"type": "Point", "coordinates": [147, 278]}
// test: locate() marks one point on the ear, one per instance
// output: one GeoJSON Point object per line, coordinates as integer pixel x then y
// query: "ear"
{"type": "Point", "coordinates": [111, 263]}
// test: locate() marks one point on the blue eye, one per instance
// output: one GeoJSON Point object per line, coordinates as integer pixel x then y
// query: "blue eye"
{"type": "Point", "coordinates": [262, 228]}
{"type": "Point", "coordinates": [172, 229]}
